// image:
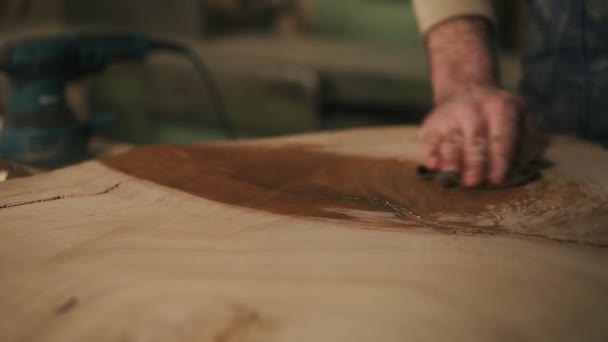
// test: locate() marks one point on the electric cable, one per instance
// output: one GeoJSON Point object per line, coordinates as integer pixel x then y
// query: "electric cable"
{"type": "Point", "coordinates": [206, 77]}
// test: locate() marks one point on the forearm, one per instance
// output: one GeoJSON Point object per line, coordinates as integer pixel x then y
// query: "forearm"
{"type": "Point", "coordinates": [461, 56]}
{"type": "Point", "coordinates": [474, 126]}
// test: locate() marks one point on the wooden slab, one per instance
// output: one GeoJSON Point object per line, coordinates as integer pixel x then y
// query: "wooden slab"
{"type": "Point", "coordinates": [321, 237]}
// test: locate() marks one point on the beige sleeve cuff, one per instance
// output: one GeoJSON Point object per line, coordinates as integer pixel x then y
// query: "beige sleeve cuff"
{"type": "Point", "coordinates": [433, 12]}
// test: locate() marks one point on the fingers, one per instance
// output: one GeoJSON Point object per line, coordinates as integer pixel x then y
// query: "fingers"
{"type": "Point", "coordinates": [502, 131]}
{"type": "Point", "coordinates": [431, 154]}
{"type": "Point", "coordinates": [431, 141]}
{"type": "Point", "coordinates": [442, 143]}
{"type": "Point", "coordinates": [475, 152]}
{"type": "Point", "coordinates": [474, 135]}
{"type": "Point", "coordinates": [451, 152]}
{"type": "Point", "coordinates": [430, 149]}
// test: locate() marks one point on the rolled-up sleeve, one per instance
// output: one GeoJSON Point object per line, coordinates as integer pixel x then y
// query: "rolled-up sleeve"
{"type": "Point", "coordinates": [432, 12]}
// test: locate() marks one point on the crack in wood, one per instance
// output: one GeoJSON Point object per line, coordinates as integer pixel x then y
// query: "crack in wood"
{"type": "Point", "coordinates": [298, 181]}
{"type": "Point", "coordinates": [67, 306]}
{"type": "Point", "coordinates": [59, 197]}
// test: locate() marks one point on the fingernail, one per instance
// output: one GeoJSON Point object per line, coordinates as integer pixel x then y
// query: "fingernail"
{"type": "Point", "coordinates": [471, 182]}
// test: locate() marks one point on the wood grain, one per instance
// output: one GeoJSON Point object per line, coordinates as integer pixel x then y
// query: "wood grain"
{"type": "Point", "coordinates": [323, 237]}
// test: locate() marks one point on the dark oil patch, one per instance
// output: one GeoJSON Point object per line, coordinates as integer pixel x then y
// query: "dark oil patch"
{"type": "Point", "coordinates": [299, 181]}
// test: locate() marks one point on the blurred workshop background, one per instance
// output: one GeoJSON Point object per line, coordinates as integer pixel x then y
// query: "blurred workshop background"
{"type": "Point", "coordinates": [282, 66]}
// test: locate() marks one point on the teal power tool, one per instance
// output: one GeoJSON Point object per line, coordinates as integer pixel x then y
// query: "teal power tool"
{"type": "Point", "coordinates": [40, 129]}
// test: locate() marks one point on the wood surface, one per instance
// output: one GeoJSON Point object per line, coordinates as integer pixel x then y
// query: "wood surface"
{"type": "Point", "coordinates": [320, 237]}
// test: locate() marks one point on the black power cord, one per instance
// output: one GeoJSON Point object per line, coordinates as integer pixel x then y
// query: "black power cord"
{"type": "Point", "coordinates": [205, 75]}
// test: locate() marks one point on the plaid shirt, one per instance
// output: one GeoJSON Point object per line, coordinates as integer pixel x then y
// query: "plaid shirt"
{"type": "Point", "coordinates": [566, 67]}
{"type": "Point", "coordinates": [565, 64]}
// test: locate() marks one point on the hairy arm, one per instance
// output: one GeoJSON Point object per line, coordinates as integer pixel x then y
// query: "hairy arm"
{"type": "Point", "coordinates": [474, 125]}
{"type": "Point", "coordinates": [461, 56]}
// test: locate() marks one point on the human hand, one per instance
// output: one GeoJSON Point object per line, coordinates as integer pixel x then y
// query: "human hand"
{"type": "Point", "coordinates": [473, 132]}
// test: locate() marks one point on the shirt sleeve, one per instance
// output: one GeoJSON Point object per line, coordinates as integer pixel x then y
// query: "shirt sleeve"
{"type": "Point", "coordinates": [433, 12]}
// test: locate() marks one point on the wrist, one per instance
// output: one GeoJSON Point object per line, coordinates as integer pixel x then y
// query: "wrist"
{"type": "Point", "coordinates": [461, 57]}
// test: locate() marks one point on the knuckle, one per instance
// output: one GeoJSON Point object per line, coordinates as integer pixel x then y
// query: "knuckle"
{"type": "Point", "coordinates": [448, 149]}
{"type": "Point", "coordinates": [444, 126]}
{"type": "Point", "coordinates": [503, 125]}
{"type": "Point", "coordinates": [500, 161]}
{"type": "Point", "coordinates": [470, 116]}
{"type": "Point", "coordinates": [428, 152]}
{"type": "Point", "coordinates": [476, 132]}
{"type": "Point", "coordinates": [428, 134]}
{"type": "Point", "coordinates": [450, 134]}
{"type": "Point", "coordinates": [476, 166]}
{"type": "Point", "coordinates": [472, 172]}
{"type": "Point", "coordinates": [475, 159]}
{"type": "Point", "coordinates": [501, 155]}
{"type": "Point", "coordinates": [459, 111]}
{"type": "Point", "coordinates": [501, 104]}
{"type": "Point", "coordinates": [476, 151]}
{"type": "Point", "coordinates": [452, 146]}
{"type": "Point", "coordinates": [476, 145]}
{"type": "Point", "coordinates": [502, 141]}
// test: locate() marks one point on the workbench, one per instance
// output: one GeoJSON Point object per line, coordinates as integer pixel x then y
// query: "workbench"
{"type": "Point", "coordinates": [317, 237]}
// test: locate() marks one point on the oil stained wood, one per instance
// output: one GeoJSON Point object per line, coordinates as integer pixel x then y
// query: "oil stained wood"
{"type": "Point", "coordinates": [321, 237]}
{"type": "Point", "coordinates": [296, 180]}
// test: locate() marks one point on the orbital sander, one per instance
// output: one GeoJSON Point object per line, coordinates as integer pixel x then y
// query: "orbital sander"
{"type": "Point", "coordinates": [39, 128]}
